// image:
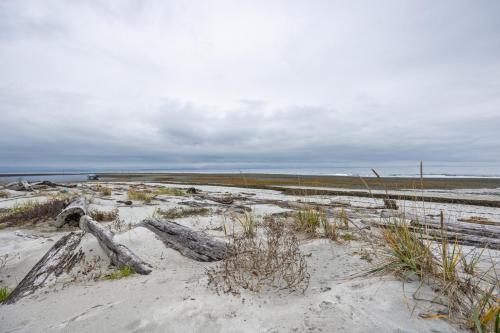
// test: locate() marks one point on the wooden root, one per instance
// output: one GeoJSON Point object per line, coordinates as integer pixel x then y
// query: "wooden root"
{"type": "Point", "coordinates": [72, 213]}
{"type": "Point", "coordinates": [60, 258]}
{"type": "Point", "coordinates": [119, 254]}
{"type": "Point", "coordinates": [192, 244]}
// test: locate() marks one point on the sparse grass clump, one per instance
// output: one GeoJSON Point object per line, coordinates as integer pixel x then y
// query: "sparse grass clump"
{"type": "Point", "coordinates": [104, 190]}
{"type": "Point", "coordinates": [271, 262]}
{"type": "Point", "coordinates": [169, 191]}
{"type": "Point", "coordinates": [330, 230]}
{"type": "Point", "coordinates": [175, 213]}
{"type": "Point", "coordinates": [120, 273]}
{"type": "Point", "coordinates": [248, 225]}
{"type": "Point", "coordinates": [408, 250]}
{"type": "Point", "coordinates": [145, 196]}
{"type": "Point", "coordinates": [4, 293]}
{"type": "Point", "coordinates": [4, 194]}
{"type": "Point", "coordinates": [308, 220]}
{"type": "Point", "coordinates": [472, 297]}
{"type": "Point", "coordinates": [33, 211]}
{"type": "Point", "coordinates": [104, 216]}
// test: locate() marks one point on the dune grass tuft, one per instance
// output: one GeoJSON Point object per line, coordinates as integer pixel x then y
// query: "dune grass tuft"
{"type": "Point", "coordinates": [248, 225]}
{"type": "Point", "coordinates": [169, 191]}
{"type": "Point", "coordinates": [309, 220]}
{"type": "Point", "coordinates": [471, 294]}
{"type": "Point", "coordinates": [145, 196]}
{"type": "Point", "coordinates": [104, 190]}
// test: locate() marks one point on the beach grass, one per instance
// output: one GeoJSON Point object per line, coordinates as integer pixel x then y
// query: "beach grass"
{"type": "Point", "coordinates": [4, 293]}
{"type": "Point", "coordinates": [137, 195]}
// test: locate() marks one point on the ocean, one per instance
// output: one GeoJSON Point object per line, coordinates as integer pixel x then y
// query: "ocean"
{"type": "Point", "coordinates": [443, 169]}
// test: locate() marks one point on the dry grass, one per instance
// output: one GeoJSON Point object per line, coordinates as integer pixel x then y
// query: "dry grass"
{"type": "Point", "coordinates": [4, 194]}
{"type": "Point", "coordinates": [175, 213]}
{"type": "Point", "coordinates": [104, 190]}
{"type": "Point", "coordinates": [169, 191]}
{"type": "Point", "coordinates": [270, 262]}
{"type": "Point", "coordinates": [472, 295]}
{"type": "Point", "coordinates": [248, 225]}
{"type": "Point", "coordinates": [137, 195]}
{"type": "Point", "coordinates": [104, 216]}
{"type": "Point", "coordinates": [33, 211]}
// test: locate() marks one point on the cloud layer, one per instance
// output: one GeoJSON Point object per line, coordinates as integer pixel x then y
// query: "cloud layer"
{"type": "Point", "coordinates": [159, 83]}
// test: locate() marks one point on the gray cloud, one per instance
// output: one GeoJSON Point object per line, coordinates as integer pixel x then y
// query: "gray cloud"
{"type": "Point", "coordinates": [160, 83]}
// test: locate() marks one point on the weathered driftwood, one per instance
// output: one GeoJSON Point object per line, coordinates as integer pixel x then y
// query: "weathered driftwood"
{"type": "Point", "coordinates": [72, 213]}
{"type": "Point", "coordinates": [60, 258]}
{"type": "Point", "coordinates": [48, 183]}
{"type": "Point", "coordinates": [225, 200]}
{"type": "Point", "coordinates": [461, 236]}
{"type": "Point", "coordinates": [192, 244]}
{"type": "Point", "coordinates": [119, 254]}
{"type": "Point", "coordinates": [21, 185]}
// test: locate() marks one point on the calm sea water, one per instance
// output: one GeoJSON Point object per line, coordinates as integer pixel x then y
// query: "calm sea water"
{"type": "Point", "coordinates": [455, 170]}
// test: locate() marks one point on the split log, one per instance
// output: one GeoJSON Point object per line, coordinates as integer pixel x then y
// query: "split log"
{"type": "Point", "coordinates": [72, 213]}
{"type": "Point", "coordinates": [60, 258]}
{"type": "Point", "coordinates": [192, 244]}
{"type": "Point", "coordinates": [119, 254]}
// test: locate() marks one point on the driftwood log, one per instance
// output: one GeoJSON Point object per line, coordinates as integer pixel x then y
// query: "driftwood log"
{"type": "Point", "coordinates": [192, 244]}
{"type": "Point", "coordinates": [72, 213]}
{"type": "Point", "coordinates": [60, 258]}
{"type": "Point", "coordinates": [21, 185]}
{"type": "Point", "coordinates": [119, 254]}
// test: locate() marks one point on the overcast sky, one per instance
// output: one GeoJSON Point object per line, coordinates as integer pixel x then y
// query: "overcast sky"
{"type": "Point", "coordinates": [172, 83]}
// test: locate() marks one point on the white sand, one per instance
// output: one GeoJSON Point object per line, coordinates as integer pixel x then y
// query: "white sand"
{"type": "Point", "coordinates": [175, 297]}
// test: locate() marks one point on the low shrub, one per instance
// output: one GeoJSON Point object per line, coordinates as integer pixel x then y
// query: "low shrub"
{"type": "Point", "coordinates": [271, 262]}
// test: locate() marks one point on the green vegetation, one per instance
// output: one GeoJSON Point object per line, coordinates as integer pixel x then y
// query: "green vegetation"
{"type": "Point", "coordinates": [4, 293]}
{"type": "Point", "coordinates": [308, 220]}
{"type": "Point", "coordinates": [330, 230]}
{"type": "Point", "coordinates": [120, 273]}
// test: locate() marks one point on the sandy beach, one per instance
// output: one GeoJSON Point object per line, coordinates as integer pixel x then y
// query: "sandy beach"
{"type": "Point", "coordinates": [175, 296]}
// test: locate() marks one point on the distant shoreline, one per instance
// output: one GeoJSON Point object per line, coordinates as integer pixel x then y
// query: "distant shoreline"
{"type": "Point", "coordinates": [268, 179]}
